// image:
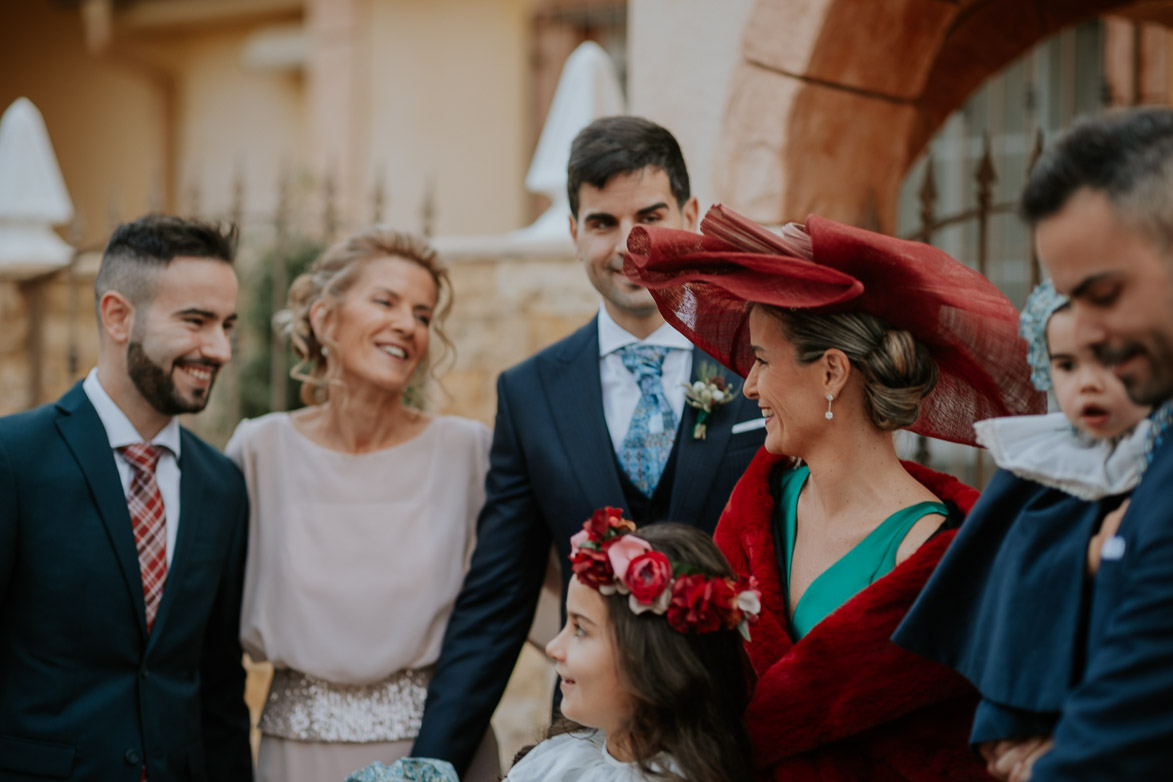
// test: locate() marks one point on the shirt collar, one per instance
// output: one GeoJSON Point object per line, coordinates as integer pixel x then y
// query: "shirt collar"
{"type": "Point", "coordinates": [119, 430]}
{"type": "Point", "coordinates": [612, 336]}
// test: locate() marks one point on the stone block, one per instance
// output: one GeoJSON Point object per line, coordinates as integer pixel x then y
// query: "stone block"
{"type": "Point", "coordinates": [13, 320]}
{"type": "Point", "coordinates": [750, 176]}
{"type": "Point", "coordinates": [491, 344]}
{"type": "Point", "coordinates": [470, 393]}
{"type": "Point", "coordinates": [544, 286]}
{"type": "Point", "coordinates": [783, 34]}
{"type": "Point", "coordinates": [14, 383]}
{"type": "Point", "coordinates": [851, 43]}
{"type": "Point", "coordinates": [473, 286]}
{"type": "Point", "coordinates": [845, 157]}
{"type": "Point", "coordinates": [795, 148]}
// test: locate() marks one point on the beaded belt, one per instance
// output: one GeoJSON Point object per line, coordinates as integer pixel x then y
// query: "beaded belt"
{"type": "Point", "coordinates": [304, 708]}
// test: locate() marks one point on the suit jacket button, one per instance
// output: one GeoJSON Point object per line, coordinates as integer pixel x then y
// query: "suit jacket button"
{"type": "Point", "coordinates": [132, 757]}
{"type": "Point", "coordinates": [144, 673]}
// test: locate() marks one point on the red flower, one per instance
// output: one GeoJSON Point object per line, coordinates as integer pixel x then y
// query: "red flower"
{"type": "Point", "coordinates": [592, 567]}
{"type": "Point", "coordinates": [648, 575]}
{"type": "Point", "coordinates": [602, 521]}
{"type": "Point", "coordinates": [701, 604]}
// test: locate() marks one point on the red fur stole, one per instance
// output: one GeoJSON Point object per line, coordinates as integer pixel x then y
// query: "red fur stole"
{"type": "Point", "coordinates": [845, 698]}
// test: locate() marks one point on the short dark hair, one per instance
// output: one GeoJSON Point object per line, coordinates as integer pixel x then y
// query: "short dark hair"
{"type": "Point", "coordinates": [1127, 155]}
{"type": "Point", "coordinates": [142, 247]}
{"type": "Point", "coordinates": [621, 145]}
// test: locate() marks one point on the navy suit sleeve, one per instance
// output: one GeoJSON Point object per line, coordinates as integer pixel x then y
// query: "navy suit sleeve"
{"type": "Point", "coordinates": [8, 522]}
{"type": "Point", "coordinates": [1118, 723]}
{"type": "Point", "coordinates": [225, 716]}
{"type": "Point", "coordinates": [496, 605]}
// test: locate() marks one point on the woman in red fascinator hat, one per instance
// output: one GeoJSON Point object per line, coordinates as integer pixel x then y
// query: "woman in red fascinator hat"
{"type": "Point", "coordinates": [843, 335]}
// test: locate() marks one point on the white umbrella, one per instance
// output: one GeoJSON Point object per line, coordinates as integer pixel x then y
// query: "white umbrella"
{"type": "Point", "coordinates": [33, 197]}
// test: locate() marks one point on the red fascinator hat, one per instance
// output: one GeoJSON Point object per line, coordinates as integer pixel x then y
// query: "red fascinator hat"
{"type": "Point", "coordinates": [704, 285]}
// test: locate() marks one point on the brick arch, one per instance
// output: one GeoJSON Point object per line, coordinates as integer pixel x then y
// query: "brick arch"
{"type": "Point", "coordinates": [833, 99]}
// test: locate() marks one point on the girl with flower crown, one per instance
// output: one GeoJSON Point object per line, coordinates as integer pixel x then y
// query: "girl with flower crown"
{"type": "Point", "coordinates": [1019, 567]}
{"type": "Point", "coordinates": [651, 663]}
{"type": "Point", "coordinates": [843, 336]}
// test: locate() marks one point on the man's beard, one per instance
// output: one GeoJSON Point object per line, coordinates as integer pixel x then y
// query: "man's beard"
{"type": "Point", "coordinates": [157, 387]}
{"type": "Point", "coordinates": [1149, 390]}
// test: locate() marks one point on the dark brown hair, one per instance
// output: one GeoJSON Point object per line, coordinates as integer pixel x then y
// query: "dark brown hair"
{"type": "Point", "coordinates": [689, 691]}
{"type": "Point", "coordinates": [139, 250]}
{"type": "Point", "coordinates": [1126, 154]}
{"type": "Point", "coordinates": [611, 146]}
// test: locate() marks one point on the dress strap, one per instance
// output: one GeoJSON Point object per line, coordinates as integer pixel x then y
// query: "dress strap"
{"type": "Point", "coordinates": [870, 560]}
{"type": "Point", "coordinates": [891, 533]}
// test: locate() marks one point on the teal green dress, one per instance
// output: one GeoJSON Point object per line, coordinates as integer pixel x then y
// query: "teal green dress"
{"type": "Point", "coordinates": [870, 560]}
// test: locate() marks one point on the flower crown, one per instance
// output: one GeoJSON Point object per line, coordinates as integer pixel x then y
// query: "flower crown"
{"type": "Point", "coordinates": [607, 557]}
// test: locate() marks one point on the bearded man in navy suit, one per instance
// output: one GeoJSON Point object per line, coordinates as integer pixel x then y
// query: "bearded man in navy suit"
{"type": "Point", "coordinates": [596, 419]}
{"type": "Point", "coordinates": [1101, 203]}
{"type": "Point", "coordinates": [122, 537]}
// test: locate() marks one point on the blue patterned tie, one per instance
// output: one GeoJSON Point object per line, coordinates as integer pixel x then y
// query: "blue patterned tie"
{"type": "Point", "coordinates": [652, 430]}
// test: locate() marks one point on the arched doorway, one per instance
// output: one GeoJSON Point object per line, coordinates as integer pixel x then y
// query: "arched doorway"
{"type": "Point", "coordinates": [834, 99]}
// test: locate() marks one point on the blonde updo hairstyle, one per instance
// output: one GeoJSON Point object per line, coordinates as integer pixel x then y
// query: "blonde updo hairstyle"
{"type": "Point", "coordinates": [328, 280]}
{"type": "Point", "coordinates": [898, 371]}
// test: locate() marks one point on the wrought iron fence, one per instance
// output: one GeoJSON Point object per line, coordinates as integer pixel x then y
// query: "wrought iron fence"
{"type": "Point", "coordinates": [985, 175]}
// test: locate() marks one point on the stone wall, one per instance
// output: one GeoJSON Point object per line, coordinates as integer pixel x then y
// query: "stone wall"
{"type": "Point", "coordinates": [505, 310]}
{"type": "Point", "coordinates": [66, 326]}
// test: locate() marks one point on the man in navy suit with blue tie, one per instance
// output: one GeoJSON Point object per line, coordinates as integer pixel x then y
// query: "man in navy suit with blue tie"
{"type": "Point", "coordinates": [1101, 203]}
{"type": "Point", "coordinates": [596, 419]}
{"type": "Point", "coordinates": [122, 537]}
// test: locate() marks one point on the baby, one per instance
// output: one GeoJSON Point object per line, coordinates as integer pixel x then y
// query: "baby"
{"type": "Point", "coordinates": [1004, 605]}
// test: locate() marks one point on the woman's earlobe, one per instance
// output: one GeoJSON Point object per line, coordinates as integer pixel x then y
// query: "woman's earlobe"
{"type": "Point", "coordinates": [837, 368]}
{"type": "Point", "coordinates": [317, 319]}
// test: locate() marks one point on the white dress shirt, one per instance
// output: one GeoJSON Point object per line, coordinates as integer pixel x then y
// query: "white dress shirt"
{"type": "Point", "coordinates": [121, 432]}
{"type": "Point", "coordinates": [620, 390]}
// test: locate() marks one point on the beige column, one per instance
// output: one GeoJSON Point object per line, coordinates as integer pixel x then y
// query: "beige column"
{"type": "Point", "coordinates": [339, 117]}
{"type": "Point", "coordinates": [1136, 62]}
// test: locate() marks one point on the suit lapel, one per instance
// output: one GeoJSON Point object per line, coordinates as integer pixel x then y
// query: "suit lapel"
{"type": "Point", "coordinates": [696, 459]}
{"type": "Point", "coordinates": [190, 513]}
{"type": "Point", "coordinates": [82, 430]}
{"type": "Point", "coordinates": [575, 395]}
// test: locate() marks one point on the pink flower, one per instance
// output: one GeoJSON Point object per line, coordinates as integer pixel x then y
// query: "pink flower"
{"type": "Point", "coordinates": [622, 551]}
{"type": "Point", "coordinates": [578, 538]}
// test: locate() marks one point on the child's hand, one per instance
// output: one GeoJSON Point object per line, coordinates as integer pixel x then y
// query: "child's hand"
{"type": "Point", "coordinates": [1107, 530]}
{"type": "Point", "coordinates": [1013, 760]}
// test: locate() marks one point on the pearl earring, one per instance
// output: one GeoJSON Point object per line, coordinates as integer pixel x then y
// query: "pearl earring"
{"type": "Point", "coordinates": [325, 350]}
{"type": "Point", "coordinates": [829, 415]}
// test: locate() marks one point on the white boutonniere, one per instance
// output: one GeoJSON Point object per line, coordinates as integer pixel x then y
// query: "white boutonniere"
{"type": "Point", "coordinates": [706, 394]}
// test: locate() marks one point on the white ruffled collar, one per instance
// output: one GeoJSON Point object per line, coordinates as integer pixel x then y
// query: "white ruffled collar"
{"type": "Point", "coordinates": [1048, 450]}
{"type": "Point", "coordinates": [580, 756]}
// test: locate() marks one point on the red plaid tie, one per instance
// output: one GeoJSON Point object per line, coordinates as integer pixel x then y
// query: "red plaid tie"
{"type": "Point", "coordinates": [150, 523]}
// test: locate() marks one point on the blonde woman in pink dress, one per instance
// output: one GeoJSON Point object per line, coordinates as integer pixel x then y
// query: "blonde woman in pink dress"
{"type": "Point", "coordinates": [363, 509]}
